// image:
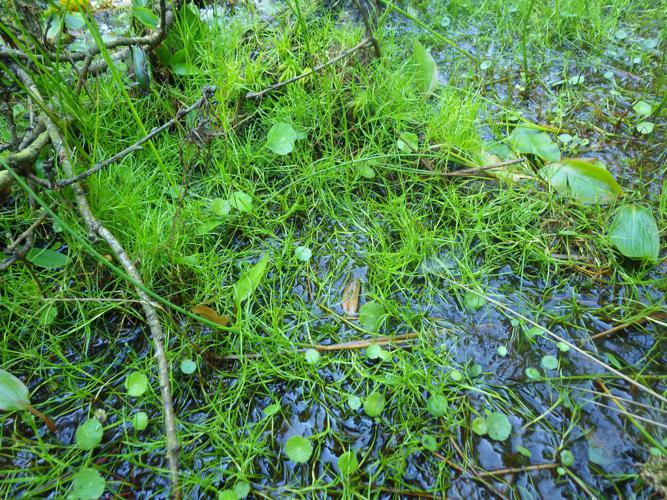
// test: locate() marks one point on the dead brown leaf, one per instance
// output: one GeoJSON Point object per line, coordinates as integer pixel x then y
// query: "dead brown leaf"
{"type": "Point", "coordinates": [351, 297]}
{"type": "Point", "coordinates": [210, 314]}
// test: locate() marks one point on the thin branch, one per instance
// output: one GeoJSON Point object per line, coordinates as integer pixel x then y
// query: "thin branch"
{"type": "Point", "coordinates": [207, 93]}
{"type": "Point", "coordinates": [276, 86]}
{"type": "Point", "coordinates": [623, 326]}
{"type": "Point", "coordinates": [362, 344]}
{"type": "Point", "coordinates": [96, 228]}
{"type": "Point", "coordinates": [25, 234]}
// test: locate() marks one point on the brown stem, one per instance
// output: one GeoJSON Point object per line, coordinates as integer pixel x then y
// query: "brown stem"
{"type": "Point", "coordinates": [49, 423]}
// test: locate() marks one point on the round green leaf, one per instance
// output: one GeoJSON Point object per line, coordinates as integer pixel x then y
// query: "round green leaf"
{"type": "Point", "coordinates": [532, 373]}
{"type": "Point", "coordinates": [437, 405]}
{"type": "Point", "coordinates": [298, 449]}
{"type": "Point", "coordinates": [502, 351]}
{"type": "Point", "coordinates": [281, 138]}
{"type": "Point", "coordinates": [136, 384]}
{"type": "Point", "coordinates": [303, 253]}
{"type": "Point", "coordinates": [312, 356]}
{"type": "Point", "coordinates": [348, 463]}
{"type": "Point", "coordinates": [473, 301]}
{"type": "Point", "coordinates": [498, 426]}
{"type": "Point", "coordinates": [140, 420]}
{"type": "Point", "coordinates": [566, 458]}
{"type": "Point", "coordinates": [88, 484]}
{"type": "Point", "coordinates": [14, 395]}
{"type": "Point", "coordinates": [220, 207]}
{"type": "Point", "coordinates": [634, 233]}
{"type": "Point", "coordinates": [479, 426]}
{"type": "Point", "coordinates": [408, 142]}
{"type": "Point", "coordinates": [374, 404]}
{"type": "Point", "coordinates": [188, 366]}
{"type": "Point", "coordinates": [533, 332]}
{"type": "Point", "coordinates": [563, 347]}
{"type": "Point", "coordinates": [366, 171]}
{"type": "Point", "coordinates": [241, 201]}
{"type": "Point", "coordinates": [582, 180]}
{"type": "Point", "coordinates": [354, 402]}
{"type": "Point", "coordinates": [549, 362]}
{"type": "Point", "coordinates": [371, 315]}
{"type": "Point", "coordinates": [89, 434]}
{"type": "Point", "coordinates": [456, 375]}
{"type": "Point", "coordinates": [429, 442]}
{"type": "Point", "coordinates": [374, 351]}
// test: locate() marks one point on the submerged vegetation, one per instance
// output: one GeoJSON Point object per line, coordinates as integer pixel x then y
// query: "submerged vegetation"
{"type": "Point", "coordinates": [350, 249]}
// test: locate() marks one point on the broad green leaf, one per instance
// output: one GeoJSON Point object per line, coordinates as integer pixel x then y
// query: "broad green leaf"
{"type": "Point", "coordinates": [498, 426]}
{"type": "Point", "coordinates": [185, 69]}
{"type": "Point", "coordinates": [87, 484]}
{"type": "Point", "coordinates": [374, 404]}
{"type": "Point", "coordinates": [242, 489]}
{"type": "Point", "coordinates": [220, 207]}
{"type": "Point", "coordinates": [298, 449]}
{"type": "Point", "coordinates": [136, 384]}
{"type": "Point", "coordinates": [281, 138]}
{"type": "Point", "coordinates": [408, 142]}
{"type": "Point", "coordinates": [582, 180]}
{"type": "Point", "coordinates": [303, 253]}
{"type": "Point", "coordinates": [74, 21]}
{"type": "Point", "coordinates": [645, 128]}
{"type": "Point", "coordinates": [48, 259]}
{"type": "Point", "coordinates": [14, 395]}
{"type": "Point", "coordinates": [227, 495]}
{"type": "Point", "coordinates": [348, 463]}
{"type": "Point", "coordinates": [188, 366]}
{"type": "Point", "coordinates": [456, 375]}
{"type": "Point", "coordinates": [48, 315]}
{"type": "Point", "coordinates": [528, 140]}
{"type": "Point", "coordinates": [642, 108]}
{"type": "Point", "coordinates": [89, 434]}
{"type": "Point", "coordinates": [250, 280]}
{"type": "Point", "coordinates": [532, 373]}
{"type": "Point", "coordinates": [371, 315]}
{"type": "Point", "coordinates": [366, 171]}
{"type": "Point", "coordinates": [241, 201]}
{"type": "Point", "coordinates": [635, 233]}
{"type": "Point", "coordinates": [140, 420]}
{"type": "Point", "coordinates": [549, 362]}
{"type": "Point", "coordinates": [473, 301]}
{"type": "Point", "coordinates": [426, 70]}
{"type": "Point", "coordinates": [146, 16]}
{"type": "Point", "coordinates": [437, 405]}
{"type": "Point", "coordinates": [312, 356]}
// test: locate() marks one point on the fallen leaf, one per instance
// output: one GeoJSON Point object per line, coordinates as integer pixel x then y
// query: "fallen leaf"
{"type": "Point", "coordinates": [210, 314]}
{"type": "Point", "coordinates": [351, 297]}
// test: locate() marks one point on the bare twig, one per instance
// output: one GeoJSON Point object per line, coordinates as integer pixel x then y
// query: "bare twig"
{"type": "Point", "coordinates": [623, 326]}
{"type": "Point", "coordinates": [96, 228]}
{"type": "Point", "coordinates": [276, 86]}
{"type": "Point", "coordinates": [207, 93]}
{"type": "Point", "coordinates": [25, 234]}
{"type": "Point", "coordinates": [362, 344]}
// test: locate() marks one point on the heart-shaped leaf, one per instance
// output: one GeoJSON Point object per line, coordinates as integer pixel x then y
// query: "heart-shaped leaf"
{"type": "Point", "coordinates": [582, 180]}
{"type": "Point", "coordinates": [635, 233]}
{"type": "Point", "coordinates": [498, 426]}
{"type": "Point", "coordinates": [220, 207]}
{"type": "Point", "coordinates": [281, 138]}
{"type": "Point", "coordinates": [48, 259]}
{"type": "Point", "coordinates": [250, 280]}
{"type": "Point", "coordinates": [188, 366]}
{"type": "Point", "coordinates": [241, 201]}
{"type": "Point", "coordinates": [437, 405]}
{"type": "Point", "coordinates": [140, 420]}
{"type": "Point", "coordinates": [136, 384]}
{"type": "Point", "coordinates": [303, 253]}
{"type": "Point", "coordinates": [14, 395]}
{"type": "Point", "coordinates": [89, 434]}
{"type": "Point", "coordinates": [298, 449]}
{"type": "Point", "coordinates": [426, 70]}
{"type": "Point", "coordinates": [528, 140]}
{"type": "Point", "coordinates": [374, 404]}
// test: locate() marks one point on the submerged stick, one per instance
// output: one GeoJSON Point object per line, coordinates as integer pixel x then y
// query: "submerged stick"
{"type": "Point", "coordinates": [49, 423]}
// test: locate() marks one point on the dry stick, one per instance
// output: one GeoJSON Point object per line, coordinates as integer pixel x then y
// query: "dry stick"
{"type": "Point", "coordinates": [474, 170]}
{"type": "Point", "coordinates": [95, 227]}
{"type": "Point", "coordinates": [207, 92]}
{"type": "Point", "coordinates": [558, 338]}
{"type": "Point", "coordinates": [27, 232]}
{"type": "Point", "coordinates": [518, 470]}
{"type": "Point", "coordinates": [276, 86]}
{"type": "Point", "coordinates": [623, 326]}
